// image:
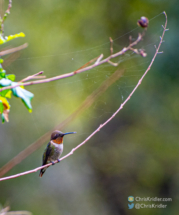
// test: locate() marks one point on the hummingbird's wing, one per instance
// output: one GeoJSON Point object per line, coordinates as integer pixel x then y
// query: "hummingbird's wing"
{"type": "Point", "coordinates": [47, 153]}
{"type": "Point", "coordinates": [45, 157]}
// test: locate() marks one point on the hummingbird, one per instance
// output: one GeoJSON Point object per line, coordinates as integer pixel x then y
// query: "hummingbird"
{"type": "Point", "coordinates": [54, 149]}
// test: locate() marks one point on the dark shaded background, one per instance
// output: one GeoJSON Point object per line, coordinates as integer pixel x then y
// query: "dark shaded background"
{"type": "Point", "coordinates": [137, 152]}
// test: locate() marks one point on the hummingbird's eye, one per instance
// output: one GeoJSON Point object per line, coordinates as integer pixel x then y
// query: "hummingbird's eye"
{"type": "Point", "coordinates": [54, 136]}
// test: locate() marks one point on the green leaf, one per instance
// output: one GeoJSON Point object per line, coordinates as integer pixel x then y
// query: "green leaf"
{"type": "Point", "coordinates": [11, 77]}
{"type": "Point", "coordinates": [6, 93]}
{"type": "Point", "coordinates": [25, 95]}
{"type": "Point", "coordinates": [2, 118]}
{"type": "Point", "coordinates": [1, 107]}
{"type": "Point", "coordinates": [2, 74]}
{"type": "Point", "coordinates": [4, 83]}
{"type": "Point", "coordinates": [5, 103]}
{"type": "Point", "coordinates": [2, 40]}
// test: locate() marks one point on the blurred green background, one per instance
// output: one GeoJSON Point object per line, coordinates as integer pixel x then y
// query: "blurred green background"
{"type": "Point", "coordinates": [137, 152]}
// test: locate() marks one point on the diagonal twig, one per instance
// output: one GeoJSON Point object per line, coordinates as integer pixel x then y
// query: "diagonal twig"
{"type": "Point", "coordinates": [10, 51]}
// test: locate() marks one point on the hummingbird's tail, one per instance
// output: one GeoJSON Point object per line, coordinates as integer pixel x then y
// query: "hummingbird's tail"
{"type": "Point", "coordinates": [42, 171]}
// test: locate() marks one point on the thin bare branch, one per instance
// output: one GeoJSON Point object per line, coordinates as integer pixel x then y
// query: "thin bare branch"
{"type": "Point", "coordinates": [8, 9]}
{"type": "Point", "coordinates": [5, 211]}
{"type": "Point", "coordinates": [112, 63]}
{"type": "Point", "coordinates": [10, 51]}
{"type": "Point", "coordinates": [111, 45]}
{"type": "Point", "coordinates": [106, 122]}
{"type": "Point", "coordinates": [81, 69]}
{"type": "Point", "coordinates": [5, 16]}
{"type": "Point", "coordinates": [33, 76]}
{"type": "Point", "coordinates": [99, 59]}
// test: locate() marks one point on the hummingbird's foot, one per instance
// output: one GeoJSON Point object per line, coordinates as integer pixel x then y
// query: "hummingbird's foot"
{"type": "Point", "coordinates": [58, 160]}
{"type": "Point", "coordinates": [52, 163]}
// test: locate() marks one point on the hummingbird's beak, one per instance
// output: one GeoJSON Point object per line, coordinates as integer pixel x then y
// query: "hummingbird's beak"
{"type": "Point", "coordinates": [69, 133]}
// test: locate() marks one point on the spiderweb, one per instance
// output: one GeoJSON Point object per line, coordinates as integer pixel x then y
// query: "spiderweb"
{"type": "Point", "coordinates": [54, 101]}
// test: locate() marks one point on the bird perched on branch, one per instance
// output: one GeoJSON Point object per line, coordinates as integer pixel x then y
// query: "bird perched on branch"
{"type": "Point", "coordinates": [54, 149]}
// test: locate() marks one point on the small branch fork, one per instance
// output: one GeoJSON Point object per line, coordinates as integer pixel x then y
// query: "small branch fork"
{"type": "Point", "coordinates": [35, 76]}
{"type": "Point", "coordinates": [108, 120]}
{"type": "Point", "coordinates": [97, 61]}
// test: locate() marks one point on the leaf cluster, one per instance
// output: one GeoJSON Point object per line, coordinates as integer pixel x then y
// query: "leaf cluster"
{"type": "Point", "coordinates": [9, 79]}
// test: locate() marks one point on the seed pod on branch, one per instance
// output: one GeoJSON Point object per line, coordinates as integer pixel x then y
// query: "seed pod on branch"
{"type": "Point", "coordinates": [143, 22]}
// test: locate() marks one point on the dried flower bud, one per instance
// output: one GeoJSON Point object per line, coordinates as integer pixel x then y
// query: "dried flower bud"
{"type": "Point", "coordinates": [143, 22]}
{"type": "Point", "coordinates": [142, 53]}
